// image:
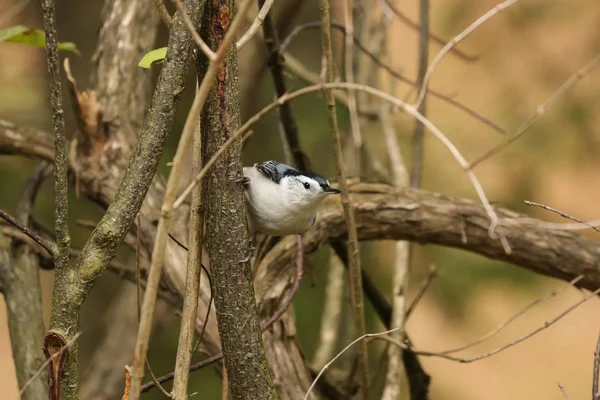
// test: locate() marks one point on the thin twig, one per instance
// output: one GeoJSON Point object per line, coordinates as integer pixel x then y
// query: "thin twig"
{"type": "Point", "coordinates": [127, 383]}
{"type": "Point", "coordinates": [258, 21]}
{"type": "Point", "coordinates": [400, 178]}
{"type": "Point", "coordinates": [61, 185]}
{"type": "Point", "coordinates": [499, 349]}
{"type": "Point", "coordinates": [513, 317]}
{"type": "Point", "coordinates": [349, 72]}
{"type": "Point", "coordinates": [286, 303]}
{"type": "Point", "coordinates": [407, 21]}
{"type": "Point", "coordinates": [45, 364]}
{"type": "Point", "coordinates": [356, 294]}
{"type": "Point", "coordinates": [190, 27]}
{"type": "Point", "coordinates": [332, 312]}
{"type": "Point", "coordinates": [539, 111]}
{"type": "Point", "coordinates": [595, 393]}
{"type": "Point", "coordinates": [564, 392]}
{"type": "Point", "coordinates": [192, 281]}
{"type": "Point", "coordinates": [366, 335]}
{"type": "Point", "coordinates": [455, 40]}
{"type": "Point", "coordinates": [433, 272]}
{"type": "Point", "coordinates": [297, 68]}
{"type": "Point", "coordinates": [194, 367]}
{"type": "Point", "coordinates": [50, 248]}
{"type": "Point", "coordinates": [416, 176]}
{"type": "Point", "coordinates": [167, 208]}
{"type": "Point", "coordinates": [162, 10]}
{"type": "Point", "coordinates": [275, 63]}
{"type": "Point", "coordinates": [561, 213]}
{"type": "Point", "coordinates": [139, 312]}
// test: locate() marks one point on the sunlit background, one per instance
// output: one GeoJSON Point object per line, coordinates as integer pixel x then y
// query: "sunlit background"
{"type": "Point", "coordinates": [524, 54]}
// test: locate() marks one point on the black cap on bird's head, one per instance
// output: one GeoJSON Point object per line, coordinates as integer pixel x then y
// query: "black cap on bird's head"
{"type": "Point", "coordinates": [277, 171]}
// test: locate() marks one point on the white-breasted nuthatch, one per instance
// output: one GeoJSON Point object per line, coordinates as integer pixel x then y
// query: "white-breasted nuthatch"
{"type": "Point", "coordinates": [282, 200]}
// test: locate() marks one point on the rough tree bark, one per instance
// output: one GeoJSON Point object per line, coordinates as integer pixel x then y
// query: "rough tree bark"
{"type": "Point", "coordinates": [226, 235]}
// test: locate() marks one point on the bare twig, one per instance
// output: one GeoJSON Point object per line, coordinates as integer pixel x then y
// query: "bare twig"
{"type": "Point", "coordinates": [514, 316]}
{"type": "Point", "coordinates": [286, 304]}
{"type": "Point", "coordinates": [275, 63]}
{"type": "Point", "coordinates": [258, 21]}
{"type": "Point", "coordinates": [190, 27]}
{"type": "Point", "coordinates": [192, 286]}
{"type": "Point", "coordinates": [505, 346]}
{"type": "Point", "coordinates": [50, 248]}
{"type": "Point", "coordinates": [127, 383]}
{"type": "Point", "coordinates": [433, 272]}
{"type": "Point", "coordinates": [349, 71]}
{"type": "Point", "coordinates": [48, 361]}
{"type": "Point", "coordinates": [419, 130]}
{"type": "Point", "coordinates": [400, 179]}
{"type": "Point", "coordinates": [562, 214]}
{"type": "Point", "coordinates": [564, 392]}
{"type": "Point", "coordinates": [361, 338]}
{"type": "Point", "coordinates": [407, 21]}
{"type": "Point", "coordinates": [61, 256]}
{"type": "Point", "coordinates": [595, 393]}
{"type": "Point", "coordinates": [539, 111]}
{"type": "Point", "coordinates": [356, 294]}
{"type": "Point", "coordinates": [331, 314]}
{"type": "Point", "coordinates": [455, 40]}
{"type": "Point", "coordinates": [194, 367]}
{"type": "Point", "coordinates": [162, 10]}
{"type": "Point", "coordinates": [296, 67]}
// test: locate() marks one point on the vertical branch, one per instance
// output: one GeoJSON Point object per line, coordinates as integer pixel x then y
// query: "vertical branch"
{"type": "Point", "coordinates": [417, 141]}
{"type": "Point", "coordinates": [61, 214]}
{"type": "Point", "coordinates": [356, 295]}
{"type": "Point", "coordinates": [20, 285]}
{"type": "Point", "coordinates": [164, 224]}
{"type": "Point", "coordinates": [332, 312]}
{"type": "Point", "coordinates": [595, 393]}
{"type": "Point", "coordinates": [392, 389]}
{"type": "Point", "coordinates": [349, 72]}
{"type": "Point", "coordinates": [275, 62]}
{"type": "Point", "coordinates": [192, 283]}
{"type": "Point", "coordinates": [226, 234]}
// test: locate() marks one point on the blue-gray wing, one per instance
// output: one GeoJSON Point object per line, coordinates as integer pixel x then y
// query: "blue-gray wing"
{"type": "Point", "coordinates": [274, 170]}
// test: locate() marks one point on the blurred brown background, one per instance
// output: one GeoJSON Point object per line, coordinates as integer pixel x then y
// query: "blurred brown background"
{"type": "Point", "coordinates": [525, 54]}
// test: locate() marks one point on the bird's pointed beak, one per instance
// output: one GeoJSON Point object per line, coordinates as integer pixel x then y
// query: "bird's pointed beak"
{"type": "Point", "coordinates": [330, 190]}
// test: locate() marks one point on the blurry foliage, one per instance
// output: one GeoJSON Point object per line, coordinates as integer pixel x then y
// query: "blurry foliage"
{"type": "Point", "coordinates": [34, 37]}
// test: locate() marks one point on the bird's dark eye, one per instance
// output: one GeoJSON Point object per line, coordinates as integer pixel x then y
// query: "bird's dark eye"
{"type": "Point", "coordinates": [306, 185]}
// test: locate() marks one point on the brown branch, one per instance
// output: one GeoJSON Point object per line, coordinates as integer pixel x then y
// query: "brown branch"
{"type": "Point", "coordinates": [25, 141]}
{"type": "Point", "coordinates": [594, 63]}
{"type": "Point", "coordinates": [424, 217]}
{"type": "Point", "coordinates": [407, 21]}
{"type": "Point", "coordinates": [380, 63]}
{"type": "Point", "coordinates": [562, 214]}
{"type": "Point", "coordinates": [290, 297]}
{"type": "Point", "coordinates": [355, 280]}
{"type": "Point", "coordinates": [275, 62]}
{"type": "Point", "coordinates": [564, 392]}
{"type": "Point", "coordinates": [163, 12]}
{"type": "Point", "coordinates": [433, 272]}
{"type": "Point", "coordinates": [50, 248]}
{"type": "Point", "coordinates": [192, 282]}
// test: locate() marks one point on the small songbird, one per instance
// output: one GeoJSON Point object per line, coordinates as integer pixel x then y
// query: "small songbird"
{"type": "Point", "coordinates": [281, 200]}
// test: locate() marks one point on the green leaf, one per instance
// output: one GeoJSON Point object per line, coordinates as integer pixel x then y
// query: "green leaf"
{"type": "Point", "coordinates": [31, 36]}
{"type": "Point", "coordinates": [154, 56]}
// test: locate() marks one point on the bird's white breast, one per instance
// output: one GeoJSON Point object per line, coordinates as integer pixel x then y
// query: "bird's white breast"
{"type": "Point", "coordinates": [273, 209]}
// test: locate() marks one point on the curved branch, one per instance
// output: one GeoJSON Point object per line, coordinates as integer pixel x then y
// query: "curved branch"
{"type": "Point", "coordinates": [25, 141]}
{"type": "Point", "coordinates": [383, 212]}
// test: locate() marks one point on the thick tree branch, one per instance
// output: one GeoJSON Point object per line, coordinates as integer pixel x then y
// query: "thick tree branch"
{"type": "Point", "coordinates": [226, 235]}
{"type": "Point", "coordinates": [383, 212]}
